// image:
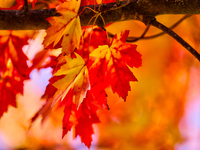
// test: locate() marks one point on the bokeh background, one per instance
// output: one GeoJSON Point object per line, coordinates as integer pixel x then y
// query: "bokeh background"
{"type": "Point", "coordinates": [162, 111]}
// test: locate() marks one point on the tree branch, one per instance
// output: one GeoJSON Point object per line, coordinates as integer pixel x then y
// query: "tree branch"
{"type": "Point", "coordinates": [142, 10]}
{"type": "Point", "coordinates": [135, 10]}
{"type": "Point", "coordinates": [20, 20]}
{"type": "Point", "coordinates": [176, 37]}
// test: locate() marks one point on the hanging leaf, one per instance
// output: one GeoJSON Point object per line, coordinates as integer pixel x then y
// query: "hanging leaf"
{"type": "Point", "coordinates": [65, 30]}
{"type": "Point", "coordinates": [111, 64]}
{"type": "Point", "coordinates": [13, 68]}
{"type": "Point", "coordinates": [75, 76]}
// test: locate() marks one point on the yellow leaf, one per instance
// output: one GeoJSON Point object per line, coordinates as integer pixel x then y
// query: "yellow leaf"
{"type": "Point", "coordinates": [76, 78]}
{"type": "Point", "coordinates": [67, 28]}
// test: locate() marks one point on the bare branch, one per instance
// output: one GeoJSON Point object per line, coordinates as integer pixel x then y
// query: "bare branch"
{"type": "Point", "coordinates": [176, 37]}
{"type": "Point", "coordinates": [143, 37]}
{"type": "Point", "coordinates": [20, 20]}
{"type": "Point", "coordinates": [111, 12]}
{"type": "Point", "coordinates": [172, 27]}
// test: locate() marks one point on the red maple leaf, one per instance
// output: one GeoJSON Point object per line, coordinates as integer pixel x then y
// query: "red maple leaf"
{"type": "Point", "coordinates": [13, 69]}
{"type": "Point", "coordinates": [85, 116]}
{"type": "Point", "coordinates": [111, 64]}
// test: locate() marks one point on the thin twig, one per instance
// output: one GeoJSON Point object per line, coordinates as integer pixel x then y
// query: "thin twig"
{"type": "Point", "coordinates": [143, 37]}
{"type": "Point", "coordinates": [172, 27]}
{"type": "Point", "coordinates": [176, 37]}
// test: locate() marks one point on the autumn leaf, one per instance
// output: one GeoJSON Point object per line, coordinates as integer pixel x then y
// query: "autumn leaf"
{"type": "Point", "coordinates": [87, 116]}
{"type": "Point", "coordinates": [9, 88]}
{"type": "Point", "coordinates": [111, 64]}
{"type": "Point", "coordinates": [65, 29]}
{"type": "Point", "coordinates": [75, 74]}
{"type": "Point", "coordinates": [83, 118]}
{"type": "Point", "coordinates": [13, 68]}
{"type": "Point", "coordinates": [11, 52]}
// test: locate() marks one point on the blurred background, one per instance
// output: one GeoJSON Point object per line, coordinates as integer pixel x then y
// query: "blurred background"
{"type": "Point", "coordinates": [162, 111]}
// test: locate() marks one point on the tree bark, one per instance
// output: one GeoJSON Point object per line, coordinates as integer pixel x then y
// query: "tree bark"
{"type": "Point", "coordinates": [142, 10]}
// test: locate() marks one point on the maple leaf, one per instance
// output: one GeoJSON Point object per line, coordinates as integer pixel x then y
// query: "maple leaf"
{"type": "Point", "coordinates": [83, 118]}
{"type": "Point", "coordinates": [87, 117]}
{"type": "Point", "coordinates": [11, 50]}
{"type": "Point", "coordinates": [13, 68]}
{"type": "Point", "coordinates": [111, 64]}
{"type": "Point", "coordinates": [75, 74]}
{"type": "Point", "coordinates": [65, 29]}
{"type": "Point", "coordinates": [9, 88]}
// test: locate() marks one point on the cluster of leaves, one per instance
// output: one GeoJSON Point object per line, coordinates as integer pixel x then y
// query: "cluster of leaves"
{"type": "Point", "coordinates": [13, 68]}
{"type": "Point", "coordinates": [89, 63]}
